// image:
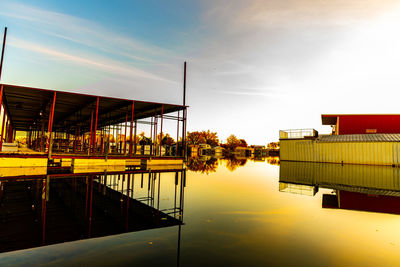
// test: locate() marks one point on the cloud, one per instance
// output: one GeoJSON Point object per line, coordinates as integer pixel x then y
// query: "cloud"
{"type": "Point", "coordinates": [104, 64]}
{"type": "Point", "coordinates": [83, 32]}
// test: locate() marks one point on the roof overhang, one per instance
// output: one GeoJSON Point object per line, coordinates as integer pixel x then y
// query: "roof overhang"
{"type": "Point", "coordinates": [329, 119]}
{"type": "Point", "coordinates": [29, 107]}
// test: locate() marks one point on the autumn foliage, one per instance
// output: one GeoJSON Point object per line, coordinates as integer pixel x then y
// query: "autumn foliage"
{"type": "Point", "coordinates": [203, 137]}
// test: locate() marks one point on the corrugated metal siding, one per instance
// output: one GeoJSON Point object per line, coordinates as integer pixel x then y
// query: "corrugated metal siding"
{"type": "Point", "coordinates": [374, 153]}
{"type": "Point", "coordinates": [335, 176]}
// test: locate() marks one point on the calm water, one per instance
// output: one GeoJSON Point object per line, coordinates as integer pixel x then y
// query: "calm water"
{"type": "Point", "coordinates": [234, 213]}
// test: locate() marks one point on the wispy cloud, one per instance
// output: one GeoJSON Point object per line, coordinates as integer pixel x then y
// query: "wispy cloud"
{"type": "Point", "coordinates": [82, 31]}
{"type": "Point", "coordinates": [104, 64]}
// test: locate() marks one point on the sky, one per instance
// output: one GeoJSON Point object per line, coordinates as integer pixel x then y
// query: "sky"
{"type": "Point", "coordinates": [253, 67]}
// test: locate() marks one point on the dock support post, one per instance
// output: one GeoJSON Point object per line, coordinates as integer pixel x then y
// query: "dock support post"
{"type": "Point", "coordinates": [126, 122]}
{"type": "Point", "coordinates": [134, 137]}
{"type": "Point", "coordinates": [50, 126]}
{"type": "Point", "coordinates": [177, 135]}
{"type": "Point", "coordinates": [10, 133]}
{"type": "Point", "coordinates": [95, 127]}
{"type": "Point", "coordinates": [161, 132]}
{"type": "Point", "coordinates": [91, 135]}
{"type": "Point", "coordinates": [131, 130]}
{"type": "Point", "coordinates": [44, 191]}
{"type": "Point", "coordinates": [4, 115]}
{"type": "Point", "coordinates": [6, 130]}
{"type": "Point", "coordinates": [91, 206]}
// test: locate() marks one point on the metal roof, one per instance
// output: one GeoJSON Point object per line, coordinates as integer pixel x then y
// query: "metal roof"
{"type": "Point", "coordinates": [30, 107]}
{"type": "Point", "coordinates": [359, 138]}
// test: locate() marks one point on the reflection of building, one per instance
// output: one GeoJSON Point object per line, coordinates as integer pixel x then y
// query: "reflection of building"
{"type": "Point", "coordinates": [41, 210]}
{"type": "Point", "coordinates": [356, 139]}
{"type": "Point", "coordinates": [244, 152]}
{"type": "Point", "coordinates": [357, 187]}
{"type": "Point", "coordinates": [218, 151]}
{"type": "Point", "coordinates": [204, 149]}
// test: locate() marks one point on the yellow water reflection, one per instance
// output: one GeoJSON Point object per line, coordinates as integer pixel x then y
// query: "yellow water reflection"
{"type": "Point", "coordinates": [246, 216]}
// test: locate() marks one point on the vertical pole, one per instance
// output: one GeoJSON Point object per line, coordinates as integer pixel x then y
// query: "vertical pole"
{"type": "Point", "coordinates": [87, 194]}
{"type": "Point", "coordinates": [184, 112]}
{"type": "Point", "coordinates": [127, 202]}
{"type": "Point", "coordinates": [83, 143]}
{"type": "Point", "coordinates": [184, 132]}
{"type": "Point", "coordinates": [44, 190]}
{"type": "Point", "coordinates": [177, 135]}
{"type": "Point", "coordinates": [91, 134]}
{"type": "Point", "coordinates": [1, 93]}
{"type": "Point", "coordinates": [76, 133]}
{"type": "Point", "coordinates": [2, 50]}
{"type": "Point", "coordinates": [37, 137]}
{"type": "Point", "coordinates": [6, 130]}
{"type": "Point", "coordinates": [29, 139]}
{"type": "Point", "coordinates": [122, 194]}
{"type": "Point", "coordinates": [126, 122]}
{"type": "Point", "coordinates": [4, 115]}
{"type": "Point", "coordinates": [91, 205]}
{"type": "Point", "coordinates": [10, 133]}
{"type": "Point", "coordinates": [161, 132]}
{"type": "Point", "coordinates": [101, 140]}
{"type": "Point", "coordinates": [79, 135]}
{"type": "Point", "coordinates": [154, 134]}
{"type": "Point", "coordinates": [131, 129]}
{"type": "Point", "coordinates": [184, 84]}
{"type": "Point", "coordinates": [1, 96]}
{"type": "Point", "coordinates": [50, 126]}
{"type": "Point", "coordinates": [134, 137]}
{"type": "Point", "coordinates": [95, 127]}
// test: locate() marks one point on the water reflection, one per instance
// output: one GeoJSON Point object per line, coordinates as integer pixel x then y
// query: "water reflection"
{"type": "Point", "coordinates": [50, 209]}
{"type": "Point", "coordinates": [205, 164]}
{"type": "Point", "coordinates": [232, 163]}
{"type": "Point", "coordinates": [208, 164]}
{"type": "Point", "coordinates": [355, 187]}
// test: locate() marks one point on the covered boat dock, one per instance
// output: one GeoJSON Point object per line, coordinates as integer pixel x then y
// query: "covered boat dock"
{"type": "Point", "coordinates": [68, 126]}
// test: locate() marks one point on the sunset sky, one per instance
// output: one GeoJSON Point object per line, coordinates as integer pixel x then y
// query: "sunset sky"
{"type": "Point", "coordinates": [254, 67]}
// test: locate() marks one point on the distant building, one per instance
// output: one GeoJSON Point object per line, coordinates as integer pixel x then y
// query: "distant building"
{"type": "Point", "coordinates": [355, 139]}
{"type": "Point", "coordinates": [363, 123]}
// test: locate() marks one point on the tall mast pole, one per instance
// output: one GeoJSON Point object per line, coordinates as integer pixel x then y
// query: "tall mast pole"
{"type": "Point", "coordinates": [2, 51]}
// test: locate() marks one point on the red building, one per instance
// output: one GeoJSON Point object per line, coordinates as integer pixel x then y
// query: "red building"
{"type": "Point", "coordinates": [363, 123]}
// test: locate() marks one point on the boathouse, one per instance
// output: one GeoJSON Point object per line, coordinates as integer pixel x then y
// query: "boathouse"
{"type": "Point", "coordinates": [355, 139]}
{"type": "Point", "coordinates": [83, 130]}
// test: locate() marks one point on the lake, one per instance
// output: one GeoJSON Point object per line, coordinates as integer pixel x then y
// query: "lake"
{"type": "Point", "coordinates": [234, 212]}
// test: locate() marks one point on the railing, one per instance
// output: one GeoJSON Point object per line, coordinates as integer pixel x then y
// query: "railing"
{"type": "Point", "coordinates": [297, 133]}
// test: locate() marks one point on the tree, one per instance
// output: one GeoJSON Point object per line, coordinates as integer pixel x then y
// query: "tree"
{"type": "Point", "coordinates": [243, 143]}
{"type": "Point", "coordinates": [195, 138]}
{"type": "Point", "coordinates": [203, 137]}
{"type": "Point", "coordinates": [232, 142]}
{"type": "Point", "coordinates": [166, 139]}
{"type": "Point", "coordinates": [210, 138]}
